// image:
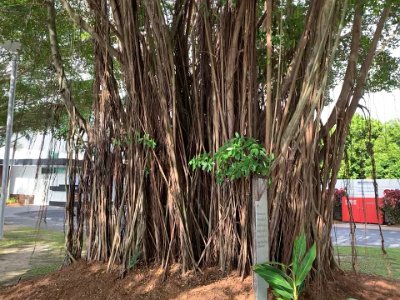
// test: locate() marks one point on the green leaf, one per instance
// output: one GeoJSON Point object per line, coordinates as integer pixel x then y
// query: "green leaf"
{"type": "Point", "coordinates": [306, 265]}
{"type": "Point", "coordinates": [239, 157]}
{"type": "Point", "coordinates": [254, 151]}
{"type": "Point", "coordinates": [299, 250]}
{"type": "Point", "coordinates": [278, 297]}
{"type": "Point", "coordinates": [278, 280]}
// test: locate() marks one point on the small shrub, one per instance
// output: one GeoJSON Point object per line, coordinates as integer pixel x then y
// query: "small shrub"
{"type": "Point", "coordinates": [338, 195]}
{"type": "Point", "coordinates": [391, 206]}
{"type": "Point", "coordinates": [337, 203]}
{"type": "Point", "coordinates": [11, 200]}
{"type": "Point", "coordinates": [133, 260]}
{"type": "Point", "coordinates": [239, 157]}
{"type": "Point", "coordinates": [287, 282]}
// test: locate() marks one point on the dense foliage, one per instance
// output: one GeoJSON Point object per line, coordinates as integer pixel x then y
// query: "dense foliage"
{"type": "Point", "coordinates": [385, 138]}
{"type": "Point", "coordinates": [391, 206]}
{"type": "Point", "coordinates": [38, 106]}
{"type": "Point", "coordinates": [238, 158]}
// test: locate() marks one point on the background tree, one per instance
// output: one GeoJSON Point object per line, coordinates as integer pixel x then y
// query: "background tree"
{"type": "Point", "coordinates": [356, 155]}
{"type": "Point", "coordinates": [387, 151]}
{"type": "Point", "coordinates": [385, 140]}
{"type": "Point", "coordinates": [38, 107]}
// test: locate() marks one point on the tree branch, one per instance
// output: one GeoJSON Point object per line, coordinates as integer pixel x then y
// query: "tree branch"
{"type": "Point", "coordinates": [365, 67]}
{"type": "Point", "coordinates": [78, 21]}
{"type": "Point", "coordinates": [63, 83]}
{"type": "Point", "coordinates": [268, 104]}
{"type": "Point", "coordinates": [350, 75]}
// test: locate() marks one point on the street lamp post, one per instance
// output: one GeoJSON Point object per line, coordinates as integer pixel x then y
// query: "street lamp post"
{"type": "Point", "coordinates": [12, 47]}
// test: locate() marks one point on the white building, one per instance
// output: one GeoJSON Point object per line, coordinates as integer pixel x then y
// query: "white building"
{"type": "Point", "coordinates": [365, 187]}
{"type": "Point", "coordinates": [37, 170]}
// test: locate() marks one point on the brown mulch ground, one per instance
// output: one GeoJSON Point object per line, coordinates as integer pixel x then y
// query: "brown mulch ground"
{"type": "Point", "coordinates": [89, 282]}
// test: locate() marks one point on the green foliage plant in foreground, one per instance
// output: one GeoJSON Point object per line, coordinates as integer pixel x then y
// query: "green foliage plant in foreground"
{"type": "Point", "coordinates": [239, 157]}
{"type": "Point", "coordinates": [287, 282]}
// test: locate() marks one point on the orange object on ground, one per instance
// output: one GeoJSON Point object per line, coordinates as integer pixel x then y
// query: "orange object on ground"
{"type": "Point", "coordinates": [364, 210]}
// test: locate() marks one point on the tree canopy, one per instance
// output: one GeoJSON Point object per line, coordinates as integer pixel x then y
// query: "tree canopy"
{"type": "Point", "coordinates": [385, 138]}
{"type": "Point", "coordinates": [38, 107]}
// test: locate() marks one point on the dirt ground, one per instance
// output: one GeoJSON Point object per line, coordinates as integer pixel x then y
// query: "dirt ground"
{"type": "Point", "coordinates": [91, 281]}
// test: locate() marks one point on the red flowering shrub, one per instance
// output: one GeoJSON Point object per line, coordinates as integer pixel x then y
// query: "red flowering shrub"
{"type": "Point", "coordinates": [391, 197]}
{"type": "Point", "coordinates": [391, 206]}
{"type": "Point", "coordinates": [337, 203]}
{"type": "Point", "coordinates": [339, 194]}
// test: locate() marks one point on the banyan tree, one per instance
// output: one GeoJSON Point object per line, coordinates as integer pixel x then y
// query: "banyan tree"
{"type": "Point", "coordinates": [173, 79]}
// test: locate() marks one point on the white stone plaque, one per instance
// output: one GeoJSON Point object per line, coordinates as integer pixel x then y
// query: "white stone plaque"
{"type": "Point", "coordinates": [260, 234]}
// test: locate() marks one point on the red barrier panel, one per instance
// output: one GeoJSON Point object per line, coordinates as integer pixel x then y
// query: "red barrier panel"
{"type": "Point", "coordinates": [364, 210]}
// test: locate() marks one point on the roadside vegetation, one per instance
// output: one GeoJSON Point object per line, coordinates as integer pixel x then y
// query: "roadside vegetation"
{"type": "Point", "coordinates": [385, 140]}
{"type": "Point", "coordinates": [370, 260]}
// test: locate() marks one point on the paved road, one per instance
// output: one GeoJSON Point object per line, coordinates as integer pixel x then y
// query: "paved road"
{"type": "Point", "coordinates": [49, 217]}
{"type": "Point", "coordinates": [368, 236]}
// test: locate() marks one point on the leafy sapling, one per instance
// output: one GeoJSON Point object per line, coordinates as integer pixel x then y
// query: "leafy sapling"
{"type": "Point", "coordinates": [239, 157]}
{"type": "Point", "coordinates": [287, 282]}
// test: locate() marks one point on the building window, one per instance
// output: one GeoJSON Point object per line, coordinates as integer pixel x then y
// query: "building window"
{"type": "Point", "coordinates": [53, 170]}
{"type": "Point", "coordinates": [53, 154]}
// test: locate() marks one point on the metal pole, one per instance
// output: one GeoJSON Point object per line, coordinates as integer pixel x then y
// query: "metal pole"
{"type": "Point", "coordinates": [6, 161]}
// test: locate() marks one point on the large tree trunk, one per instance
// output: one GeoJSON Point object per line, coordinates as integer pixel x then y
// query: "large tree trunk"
{"type": "Point", "coordinates": [189, 81]}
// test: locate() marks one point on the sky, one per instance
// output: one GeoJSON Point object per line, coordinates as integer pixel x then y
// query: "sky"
{"type": "Point", "coordinates": [382, 106]}
{"type": "Point", "coordinates": [385, 106]}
